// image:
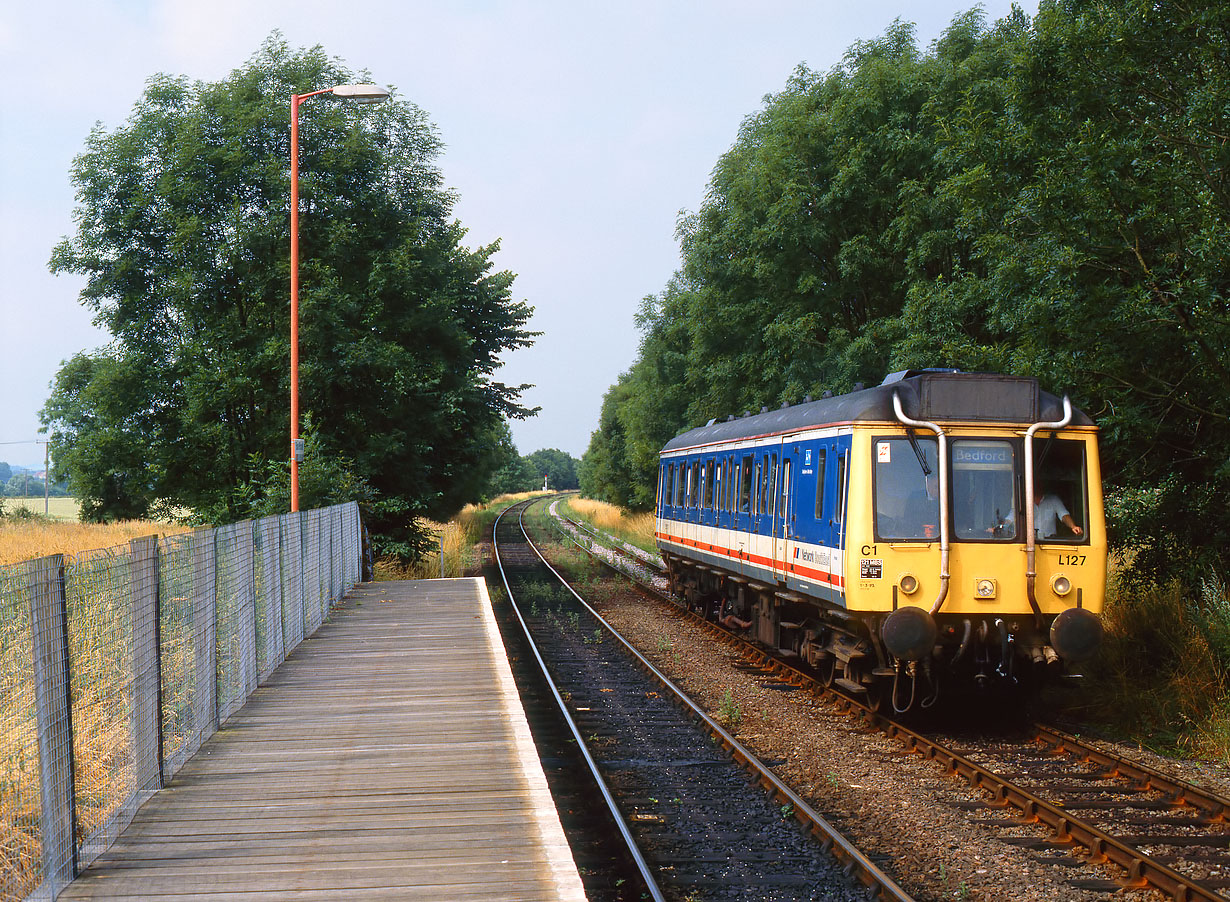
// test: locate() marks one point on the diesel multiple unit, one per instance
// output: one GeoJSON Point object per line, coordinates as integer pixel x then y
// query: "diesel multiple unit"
{"type": "Point", "coordinates": [940, 529]}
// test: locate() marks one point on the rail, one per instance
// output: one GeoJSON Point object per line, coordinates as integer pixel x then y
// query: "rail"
{"type": "Point", "coordinates": [647, 876]}
{"type": "Point", "coordinates": [115, 665]}
{"type": "Point", "coordinates": [1142, 871]}
{"type": "Point", "coordinates": [857, 866]}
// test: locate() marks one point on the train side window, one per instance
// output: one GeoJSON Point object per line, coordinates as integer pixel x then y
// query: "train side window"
{"type": "Point", "coordinates": [707, 479]}
{"type": "Point", "coordinates": [694, 484]}
{"type": "Point", "coordinates": [763, 482]}
{"type": "Point", "coordinates": [772, 497]}
{"type": "Point", "coordinates": [745, 485]}
{"type": "Point", "coordinates": [679, 479]}
{"type": "Point", "coordinates": [821, 459]}
{"type": "Point", "coordinates": [841, 490]}
{"type": "Point", "coordinates": [1060, 488]}
{"type": "Point", "coordinates": [784, 509]}
{"type": "Point", "coordinates": [736, 482]}
{"type": "Point", "coordinates": [907, 499]}
{"type": "Point", "coordinates": [668, 487]}
{"type": "Point", "coordinates": [755, 483]}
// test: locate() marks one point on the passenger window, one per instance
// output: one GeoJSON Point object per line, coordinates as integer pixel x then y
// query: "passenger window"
{"type": "Point", "coordinates": [907, 497]}
{"type": "Point", "coordinates": [984, 489]}
{"type": "Point", "coordinates": [1060, 501]}
{"type": "Point", "coordinates": [820, 461]}
{"type": "Point", "coordinates": [763, 482]}
{"type": "Point", "coordinates": [784, 509]}
{"type": "Point", "coordinates": [745, 485]}
{"type": "Point", "coordinates": [708, 480]}
{"type": "Point", "coordinates": [841, 490]}
{"type": "Point", "coordinates": [771, 506]}
{"type": "Point", "coordinates": [679, 478]}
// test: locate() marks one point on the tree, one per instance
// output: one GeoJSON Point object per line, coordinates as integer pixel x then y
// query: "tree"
{"type": "Point", "coordinates": [1046, 198]}
{"type": "Point", "coordinates": [605, 472]}
{"type": "Point", "coordinates": [559, 467]}
{"type": "Point", "coordinates": [515, 475]}
{"type": "Point", "coordinates": [1096, 179]}
{"type": "Point", "coordinates": [183, 234]}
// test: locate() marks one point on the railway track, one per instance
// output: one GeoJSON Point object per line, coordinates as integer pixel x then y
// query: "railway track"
{"type": "Point", "coordinates": [1159, 832]}
{"type": "Point", "coordinates": [675, 777]}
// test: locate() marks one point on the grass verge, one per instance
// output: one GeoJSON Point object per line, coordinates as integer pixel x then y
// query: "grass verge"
{"type": "Point", "coordinates": [636, 529]}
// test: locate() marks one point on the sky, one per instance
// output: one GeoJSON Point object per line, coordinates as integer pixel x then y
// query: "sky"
{"type": "Point", "coordinates": [574, 132]}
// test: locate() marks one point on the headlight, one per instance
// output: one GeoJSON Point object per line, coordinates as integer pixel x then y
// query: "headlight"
{"type": "Point", "coordinates": [1061, 585]}
{"type": "Point", "coordinates": [909, 584]}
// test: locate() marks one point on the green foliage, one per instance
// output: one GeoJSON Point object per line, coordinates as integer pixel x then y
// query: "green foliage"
{"type": "Point", "coordinates": [559, 467]}
{"type": "Point", "coordinates": [1048, 198]}
{"type": "Point", "coordinates": [182, 233]}
{"type": "Point", "coordinates": [1162, 675]}
{"type": "Point", "coordinates": [324, 479]}
{"type": "Point", "coordinates": [514, 474]}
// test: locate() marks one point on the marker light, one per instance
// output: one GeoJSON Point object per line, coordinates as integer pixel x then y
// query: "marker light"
{"type": "Point", "coordinates": [909, 584]}
{"type": "Point", "coordinates": [1061, 585]}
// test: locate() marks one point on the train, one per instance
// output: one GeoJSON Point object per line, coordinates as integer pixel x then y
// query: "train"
{"type": "Point", "coordinates": [936, 535]}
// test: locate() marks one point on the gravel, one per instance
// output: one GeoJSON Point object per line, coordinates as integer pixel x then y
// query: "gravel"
{"type": "Point", "coordinates": [926, 829]}
{"type": "Point", "coordinates": [921, 825]}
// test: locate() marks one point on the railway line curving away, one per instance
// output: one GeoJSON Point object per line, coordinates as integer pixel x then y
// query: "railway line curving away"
{"type": "Point", "coordinates": [678, 780]}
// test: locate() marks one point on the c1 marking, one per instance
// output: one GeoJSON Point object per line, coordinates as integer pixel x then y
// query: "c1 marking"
{"type": "Point", "coordinates": [867, 550]}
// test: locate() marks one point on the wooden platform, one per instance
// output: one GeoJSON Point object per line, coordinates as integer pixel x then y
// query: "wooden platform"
{"type": "Point", "coordinates": [388, 758]}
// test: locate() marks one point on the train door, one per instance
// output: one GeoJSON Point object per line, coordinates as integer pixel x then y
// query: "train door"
{"type": "Point", "coordinates": [741, 504]}
{"type": "Point", "coordinates": [839, 451]}
{"type": "Point", "coordinates": [785, 510]}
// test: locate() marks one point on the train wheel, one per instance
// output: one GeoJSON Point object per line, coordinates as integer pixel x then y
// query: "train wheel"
{"type": "Point", "coordinates": [878, 695]}
{"type": "Point", "coordinates": [826, 670]}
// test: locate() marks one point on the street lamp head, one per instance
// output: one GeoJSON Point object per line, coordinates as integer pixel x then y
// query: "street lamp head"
{"type": "Point", "coordinates": [361, 93]}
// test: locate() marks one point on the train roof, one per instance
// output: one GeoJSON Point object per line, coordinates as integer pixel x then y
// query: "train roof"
{"type": "Point", "coordinates": [934, 395]}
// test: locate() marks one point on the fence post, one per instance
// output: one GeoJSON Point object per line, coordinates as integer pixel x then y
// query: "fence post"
{"type": "Point", "coordinates": [205, 620]}
{"type": "Point", "coordinates": [49, 626]}
{"type": "Point", "coordinates": [146, 662]}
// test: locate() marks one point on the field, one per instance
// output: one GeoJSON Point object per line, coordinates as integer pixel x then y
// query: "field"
{"type": "Point", "coordinates": [56, 508]}
{"type": "Point", "coordinates": [23, 540]}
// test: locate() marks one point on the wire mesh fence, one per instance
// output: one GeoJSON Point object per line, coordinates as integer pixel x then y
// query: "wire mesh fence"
{"type": "Point", "coordinates": [115, 665]}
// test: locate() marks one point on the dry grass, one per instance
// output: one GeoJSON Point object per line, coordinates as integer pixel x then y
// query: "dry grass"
{"type": "Point", "coordinates": [1162, 677]}
{"type": "Point", "coordinates": [637, 529]}
{"type": "Point", "coordinates": [456, 549]}
{"type": "Point", "coordinates": [461, 534]}
{"type": "Point", "coordinates": [23, 540]}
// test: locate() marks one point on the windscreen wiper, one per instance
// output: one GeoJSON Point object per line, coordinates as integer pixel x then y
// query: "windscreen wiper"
{"type": "Point", "coordinates": [918, 452]}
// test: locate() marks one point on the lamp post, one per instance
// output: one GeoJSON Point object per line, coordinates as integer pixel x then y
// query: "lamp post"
{"type": "Point", "coordinates": [359, 94]}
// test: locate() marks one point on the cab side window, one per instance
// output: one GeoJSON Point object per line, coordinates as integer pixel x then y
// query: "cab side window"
{"type": "Point", "coordinates": [1061, 499]}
